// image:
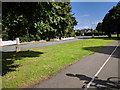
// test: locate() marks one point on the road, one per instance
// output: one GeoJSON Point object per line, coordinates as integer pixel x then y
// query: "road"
{"type": "Point", "coordinates": [35, 45]}
{"type": "Point", "coordinates": [101, 68]}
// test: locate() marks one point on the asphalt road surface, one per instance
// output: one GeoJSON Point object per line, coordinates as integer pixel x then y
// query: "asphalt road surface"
{"type": "Point", "coordinates": [99, 70]}
{"type": "Point", "coordinates": [35, 45]}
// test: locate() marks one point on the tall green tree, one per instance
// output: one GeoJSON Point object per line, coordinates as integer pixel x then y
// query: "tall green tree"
{"type": "Point", "coordinates": [99, 27]}
{"type": "Point", "coordinates": [37, 20]}
{"type": "Point", "coordinates": [65, 20]}
{"type": "Point", "coordinates": [111, 22]}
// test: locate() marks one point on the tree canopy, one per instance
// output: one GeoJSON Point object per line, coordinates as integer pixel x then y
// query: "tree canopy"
{"type": "Point", "coordinates": [37, 20]}
{"type": "Point", "coordinates": [111, 21]}
{"type": "Point", "coordinates": [99, 27]}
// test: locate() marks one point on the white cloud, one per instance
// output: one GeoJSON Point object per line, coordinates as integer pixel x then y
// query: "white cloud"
{"type": "Point", "coordinates": [85, 15]}
{"type": "Point", "coordinates": [82, 27]}
{"type": "Point", "coordinates": [81, 23]}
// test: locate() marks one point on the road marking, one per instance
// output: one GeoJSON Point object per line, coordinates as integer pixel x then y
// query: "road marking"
{"type": "Point", "coordinates": [88, 85]}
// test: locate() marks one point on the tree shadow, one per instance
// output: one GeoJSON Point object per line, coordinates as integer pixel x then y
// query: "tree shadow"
{"type": "Point", "coordinates": [107, 38]}
{"type": "Point", "coordinates": [105, 50]}
{"type": "Point", "coordinates": [8, 59]}
{"type": "Point", "coordinates": [104, 38]}
{"type": "Point", "coordinates": [108, 84]}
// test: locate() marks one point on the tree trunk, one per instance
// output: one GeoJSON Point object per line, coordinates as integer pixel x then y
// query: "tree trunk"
{"type": "Point", "coordinates": [60, 37]}
{"type": "Point", "coordinates": [109, 35]}
{"type": "Point", "coordinates": [118, 35]}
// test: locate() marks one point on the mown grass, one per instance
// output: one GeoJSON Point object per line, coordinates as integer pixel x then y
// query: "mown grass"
{"type": "Point", "coordinates": [34, 65]}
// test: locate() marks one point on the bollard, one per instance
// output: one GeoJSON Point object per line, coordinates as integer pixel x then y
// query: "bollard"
{"type": "Point", "coordinates": [92, 35]}
{"type": "Point", "coordinates": [17, 41]}
{"type": "Point", "coordinates": [18, 45]}
{"type": "Point", "coordinates": [1, 44]}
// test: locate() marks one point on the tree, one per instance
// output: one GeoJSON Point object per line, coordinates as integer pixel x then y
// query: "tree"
{"type": "Point", "coordinates": [99, 27]}
{"type": "Point", "coordinates": [78, 32]}
{"type": "Point", "coordinates": [111, 21]}
{"type": "Point", "coordinates": [65, 20]}
{"type": "Point", "coordinates": [35, 21]}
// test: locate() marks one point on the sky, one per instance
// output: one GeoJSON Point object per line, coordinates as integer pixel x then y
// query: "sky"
{"type": "Point", "coordinates": [88, 14]}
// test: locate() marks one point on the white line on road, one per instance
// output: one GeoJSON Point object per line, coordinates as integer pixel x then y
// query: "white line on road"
{"type": "Point", "coordinates": [88, 85]}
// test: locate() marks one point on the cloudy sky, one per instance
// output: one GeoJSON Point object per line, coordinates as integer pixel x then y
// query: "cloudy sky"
{"type": "Point", "coordinates": [88, 14]}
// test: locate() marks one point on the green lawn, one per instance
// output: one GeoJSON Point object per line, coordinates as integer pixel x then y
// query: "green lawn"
{"type": "Point", "coordinates": [31, 66]}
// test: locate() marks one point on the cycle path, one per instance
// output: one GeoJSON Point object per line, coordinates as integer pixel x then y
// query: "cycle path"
{"type": "Point", "coordinates": [80, 74]}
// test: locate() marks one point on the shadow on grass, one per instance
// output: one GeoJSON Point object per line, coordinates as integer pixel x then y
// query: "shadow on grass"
{"type": "Point", "coordinates": [107, 38]}
{"type": "Point", "coordinates": [8, 59]}
{"type": "Point", "coordinates": [111, 83]}
{"type": "Point", "coordinates": [105, 50]}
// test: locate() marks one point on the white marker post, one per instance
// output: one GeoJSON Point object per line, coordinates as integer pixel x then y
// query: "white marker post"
{"type": "Point", "coordinates": [18, 45]}
{"type": "Point", "coordinates": [92, 35]}
{"type": "Point", "coordinates": [1, 44]}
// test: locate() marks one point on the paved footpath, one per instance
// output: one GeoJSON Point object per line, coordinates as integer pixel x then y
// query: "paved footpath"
{"type": "Point", "coordinates": [99, 70]}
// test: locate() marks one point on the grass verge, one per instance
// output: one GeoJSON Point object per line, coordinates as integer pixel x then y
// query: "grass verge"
{"type": "Point", "coordinates": [28, 67]}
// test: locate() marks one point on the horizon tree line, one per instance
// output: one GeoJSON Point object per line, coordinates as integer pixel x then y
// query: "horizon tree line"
{"type": "Point", "coordinates": [111, 22]}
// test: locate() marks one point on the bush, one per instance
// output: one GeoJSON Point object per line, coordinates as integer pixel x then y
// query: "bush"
{"type": "Point", "coordinates": [26, 39]}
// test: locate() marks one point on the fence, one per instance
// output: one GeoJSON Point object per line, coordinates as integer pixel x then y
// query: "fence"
{"type": "Point", "coordinates": [10, 42]}
{"type": "Point", "coordinates": [68, 38]}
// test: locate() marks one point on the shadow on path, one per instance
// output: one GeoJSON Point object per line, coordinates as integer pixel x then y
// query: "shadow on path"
{"type": "Point", "coordinates": [105, 50]}
{"type": "Point", "coordinates": [108, 84]}
{"type": "Point", "coordinates": [9, 58]}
